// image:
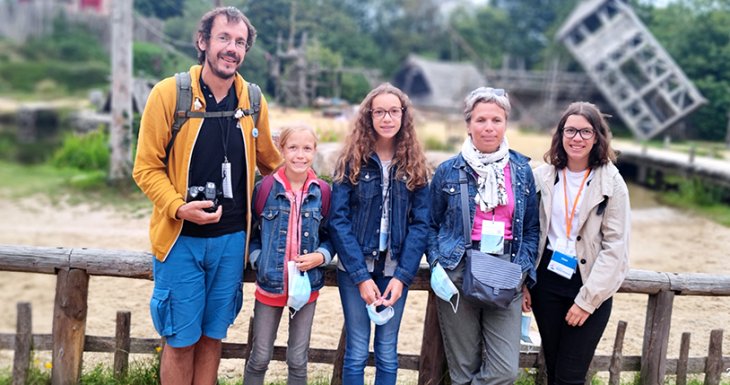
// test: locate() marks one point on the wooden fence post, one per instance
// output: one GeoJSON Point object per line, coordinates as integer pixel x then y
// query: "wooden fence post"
{"type": "Point", "coordinates": [656, 338]}
{"type": "Point", "coordinates": [23, 343]}
{"type": "Point", "coordinates": [69, 325]}
{"type": "Point", "coordinates": [683, 361]}
{"type": "Point", "coordinates": [122, 343]}
{"type": "Point", "coordinates": [432, 362]}
{"type": "Point", "coordinates": [339, 360]}
{"type": "Point", "coordinates": [617, 357]}
{"type": "Point", "coordinates": [713, 367]}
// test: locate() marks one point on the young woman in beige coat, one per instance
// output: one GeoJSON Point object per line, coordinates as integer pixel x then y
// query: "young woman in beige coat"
{"type": "Point", "coordinates": [583, 249]}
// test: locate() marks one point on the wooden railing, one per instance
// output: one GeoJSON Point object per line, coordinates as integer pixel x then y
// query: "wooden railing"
{"type": "Point", "coordinates": [73, 268]}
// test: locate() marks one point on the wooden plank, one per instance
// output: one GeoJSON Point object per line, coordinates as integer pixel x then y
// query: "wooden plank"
{"type": "Point", "coordinates": [656, 338]}
{"type": "Point", "coordinates": [123, 343]}
{"type": "Point", "coordinates": [617, 356]}
{"type": "Point", "coordinates": [339, 360]}
{"type": "Point", "coordinates": [431, 370]}
{"type": "Point", "coordinates": [23, 343]}
{"type": "Point", "coordinates": [683, 360]}
{"type": "Point", "coordinates": [33, 259]}
{"type": "Point", "coordinates": [714, 368]}
{"type": "Point", "coordinates": [113, 263]}
{"type": "Point", "coordinates": [69, 326]}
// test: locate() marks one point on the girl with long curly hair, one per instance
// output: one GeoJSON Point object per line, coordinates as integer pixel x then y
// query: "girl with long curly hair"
{"type": "Point", "coordinates": [378, 225]}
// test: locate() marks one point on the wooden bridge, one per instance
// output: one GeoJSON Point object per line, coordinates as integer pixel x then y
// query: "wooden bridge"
{"type": "Point", "coordinates": [650, 166]}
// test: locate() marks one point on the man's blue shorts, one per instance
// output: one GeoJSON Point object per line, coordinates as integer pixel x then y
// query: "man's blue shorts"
{"type": "Point", "coordinates": [198, 289]}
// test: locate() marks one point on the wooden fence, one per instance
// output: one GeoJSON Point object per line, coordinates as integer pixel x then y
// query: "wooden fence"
{"type": "Point", "coordinates": [73, 268]}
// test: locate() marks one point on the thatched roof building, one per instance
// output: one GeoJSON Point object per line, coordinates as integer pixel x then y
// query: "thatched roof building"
{"type": "Point", "coordinates": [437, 85]}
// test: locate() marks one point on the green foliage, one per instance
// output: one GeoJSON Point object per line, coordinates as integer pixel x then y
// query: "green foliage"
{"type": "Point", "coordinates": [68, 42]}
{"type": "Point", "coordinates": [84, 152]}
{"type": "Point", "coordinates": [693, 195]}
{"type": "Point", "coordinates": [151, 60]}
{"type": "Point", "coordinates": [354, 87]}
{"type": "Point", "coordinates": [24, 75]}
{"type": "Point", "coordinates": [434, 144]}
{"type": "Point", "coordinates": [159, 9]}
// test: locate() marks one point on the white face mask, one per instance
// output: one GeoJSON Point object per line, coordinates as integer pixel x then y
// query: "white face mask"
{"type": "Point", "coordinates": [382, 317]}
{"type": "Point", "coordinates": [299, 287]}
{"type": "Point", "coordinates": [443, 287]}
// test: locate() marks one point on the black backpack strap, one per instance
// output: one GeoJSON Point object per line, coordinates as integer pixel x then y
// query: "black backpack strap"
{"type": "Point", "coordinates": [184, 100]}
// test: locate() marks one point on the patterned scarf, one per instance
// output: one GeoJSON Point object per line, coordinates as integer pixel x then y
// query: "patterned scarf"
{"type": "Point", "coordinates": [491, 188]}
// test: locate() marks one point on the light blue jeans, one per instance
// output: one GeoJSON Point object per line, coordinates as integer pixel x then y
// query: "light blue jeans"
{"type": "Point", "coordinates": [357, 329]}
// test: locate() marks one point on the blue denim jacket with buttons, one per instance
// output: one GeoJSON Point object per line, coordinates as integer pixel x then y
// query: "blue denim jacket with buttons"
{"type": "Point", "coordinates": [354, 223]}
{"type": "Point", "coordinates": [269, 236]}
{"type": "Point", "coordinates": [446, 235]}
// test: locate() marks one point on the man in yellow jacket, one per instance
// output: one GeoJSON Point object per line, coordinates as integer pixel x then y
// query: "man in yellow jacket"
{"type": "Point", "coordinates": [201, 191]}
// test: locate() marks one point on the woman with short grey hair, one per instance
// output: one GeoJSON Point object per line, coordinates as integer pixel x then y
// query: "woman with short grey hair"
{"type": "Point", "coordinates": [482, 341]}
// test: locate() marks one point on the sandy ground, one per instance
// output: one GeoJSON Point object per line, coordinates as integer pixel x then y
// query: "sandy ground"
{"type": "Point", "coordinates": [663, 239]}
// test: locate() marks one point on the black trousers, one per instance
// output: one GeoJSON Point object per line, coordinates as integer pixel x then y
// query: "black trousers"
{"type": "Point", "coordinates": [568, 349]}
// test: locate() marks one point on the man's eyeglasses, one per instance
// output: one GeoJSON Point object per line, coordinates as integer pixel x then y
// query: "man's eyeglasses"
{"type": "Point", "coordinates": [225, 40]}
{"type": "Point", "coordinates": [585, 133]}
{"type": "Point", "coordinates": [395, 113]}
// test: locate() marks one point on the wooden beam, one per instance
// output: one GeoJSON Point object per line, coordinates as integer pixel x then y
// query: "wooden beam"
{"type": "Point", "coordinates": [714, 367]}
{"type": "Point", "coordinates": [431, 368]}
{"type": "Point", "coordinates": [617, 357]}
{"type": "Point", "coordinates": [683, 360]}
{"type": "Point", "coordinates": [123, 343]}
{"type": "Point", "coordinates": [656, 338]}
{"type": "Point", "coordinates": [23, 343]}
{"type": "Point", "coordinates": [69, 326]}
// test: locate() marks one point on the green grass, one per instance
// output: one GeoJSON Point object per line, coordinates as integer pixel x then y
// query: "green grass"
{"type": "Point", "coordinates": [70, 185]}
{"type": "Point", "coordinates": [141, 372]}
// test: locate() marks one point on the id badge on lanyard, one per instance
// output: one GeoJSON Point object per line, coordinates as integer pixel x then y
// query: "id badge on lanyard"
{"type": "Point", "coordinates": [226, 176]}
{"type": "Point", "coordinates": [492, 241]}
{"type": "Point", "coordinates": [564, 260]}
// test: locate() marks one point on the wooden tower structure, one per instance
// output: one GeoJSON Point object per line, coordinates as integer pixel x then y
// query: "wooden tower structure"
{"type": "Point", "coordinates": [631, 69]}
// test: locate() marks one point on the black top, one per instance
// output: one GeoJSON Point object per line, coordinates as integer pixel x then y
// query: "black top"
{"type": "Point", "coordinates": [218, 137]}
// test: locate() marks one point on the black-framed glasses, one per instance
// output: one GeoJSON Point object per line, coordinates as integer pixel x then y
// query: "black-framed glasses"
{"type": "Point", "coordinates": [395, 113]}
{"type": "Point", "coordinates": [585, 133]}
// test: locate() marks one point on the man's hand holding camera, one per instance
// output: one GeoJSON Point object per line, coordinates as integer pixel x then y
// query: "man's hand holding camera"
{"type": "Point", "coordinates": [202, 205]}
{"type": "Point", "coordinates": [195, 212]}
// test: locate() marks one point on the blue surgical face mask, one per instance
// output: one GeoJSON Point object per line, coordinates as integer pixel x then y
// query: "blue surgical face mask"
{"type": "Point", "coordinates": [299, 288]}
{"type": "Point", "coordinates": [443, 287]}
{"type": "Point", "coordinates": [382, 317]}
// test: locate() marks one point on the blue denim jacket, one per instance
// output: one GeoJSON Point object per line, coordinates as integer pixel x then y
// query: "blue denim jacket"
{"type": "Point", "coordinates": [446, 234]}
{"type": "Point", "coordinates": [268, 237]}
{"type": "Point", "coordinates": [355, 222]}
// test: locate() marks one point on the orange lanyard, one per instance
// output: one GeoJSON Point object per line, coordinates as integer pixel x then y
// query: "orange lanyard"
{"type": "Point", "coordinates": [569, 219]}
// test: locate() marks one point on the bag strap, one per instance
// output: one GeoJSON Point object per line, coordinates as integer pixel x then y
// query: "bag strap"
{"type": "Point", "coordinates": [464, 192]}
{"type": "Point", "coordinates": [184, 100]}
{"type": "Point", "coordinates": [326, 192]}
{"type": "Point", "coordinates": [266, 184]}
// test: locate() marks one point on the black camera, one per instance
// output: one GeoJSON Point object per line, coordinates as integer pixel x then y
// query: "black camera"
{"type": "Point", "coordinates": [204, 193]}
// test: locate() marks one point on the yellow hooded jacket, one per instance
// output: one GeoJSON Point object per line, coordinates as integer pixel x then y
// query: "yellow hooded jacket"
{"type": "Point", "coordinates": [165, 186]}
